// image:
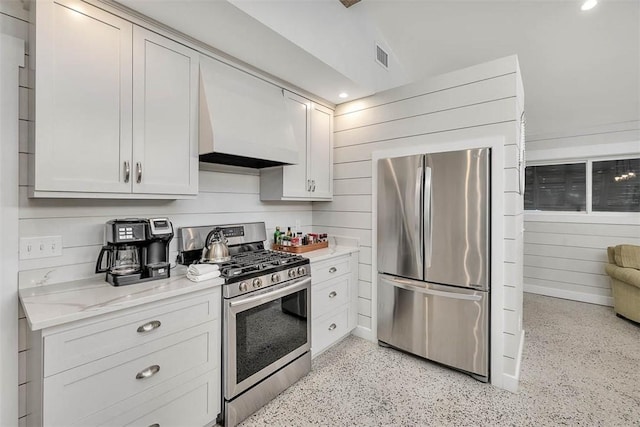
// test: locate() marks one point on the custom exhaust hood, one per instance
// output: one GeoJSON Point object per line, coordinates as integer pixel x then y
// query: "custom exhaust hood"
{"type": "Point", "coordinates": [243, 119]}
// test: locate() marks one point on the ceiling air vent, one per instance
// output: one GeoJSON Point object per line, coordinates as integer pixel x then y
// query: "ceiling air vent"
{"type": "Point", "coordinates": [382, 57]}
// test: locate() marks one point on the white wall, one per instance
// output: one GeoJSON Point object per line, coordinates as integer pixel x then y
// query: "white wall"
{"type": "Point", "coordinates": [11, 59]}
{"type": "Point", "coordinates": [13, 22]}
{"type": "Point", "coordinates": [565, 253]}
{"type": "Point", "coordinates": [479, 102]}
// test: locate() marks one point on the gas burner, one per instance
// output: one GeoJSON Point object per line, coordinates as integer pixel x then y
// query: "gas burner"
{"type": "Point", "coordinates": [245, 264]}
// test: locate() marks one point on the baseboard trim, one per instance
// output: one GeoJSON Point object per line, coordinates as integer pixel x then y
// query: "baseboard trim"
{"type": "Point", "coordinates": [511, 382]}
{"type": "Point", "coordinates": [362, 332]}
{"type": "Point", "coordinates": [570, 295]}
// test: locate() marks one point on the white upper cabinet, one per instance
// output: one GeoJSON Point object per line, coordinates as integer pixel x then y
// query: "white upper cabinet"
{"type": "Point", "coordinates": [295, 176]}
{"type": "Point", "coordinates": [115, 107]}
{"type": "Point", "coordinates": [312, 178]}
{"type": "Point", "coordinates": [321, 152]}
{"type": "Point", "coordinates": [83, 99]}
{"type": "Point", "coordinates": [165, 132]}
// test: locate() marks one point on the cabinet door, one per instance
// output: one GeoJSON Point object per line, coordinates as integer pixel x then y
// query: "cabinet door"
{"type": "Point", "coordinates": [320, 168]}
{"type": "Point", "coordinates": [165, 102]}
{"type": "Point", "coordinates": [83, 98]}
{"type": "Point", "coordinates": [295, 181]}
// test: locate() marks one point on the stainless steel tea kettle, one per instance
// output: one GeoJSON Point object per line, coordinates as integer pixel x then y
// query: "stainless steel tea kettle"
{"type": "Point", "coordinates": [215, 248]}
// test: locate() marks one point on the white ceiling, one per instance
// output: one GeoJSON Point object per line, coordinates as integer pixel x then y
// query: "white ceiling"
{"type": "Point", "coordinates": [580, 69]}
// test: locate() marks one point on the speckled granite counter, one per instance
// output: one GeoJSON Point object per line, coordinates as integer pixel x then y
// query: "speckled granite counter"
{"type": "Point", "coordinates": [52, 305]}
{"type": "Point", "coordinates": [330, 252]}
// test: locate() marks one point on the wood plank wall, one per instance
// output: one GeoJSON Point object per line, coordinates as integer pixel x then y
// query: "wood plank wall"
{"type": "Point", "coordinates": [445, 109]}
{"type": "Point", "coordinates": [14, 21]}
{"type": "Point", "coordinates": [226, 196]}
{"type": "Point", "coordinates": [565, 254]}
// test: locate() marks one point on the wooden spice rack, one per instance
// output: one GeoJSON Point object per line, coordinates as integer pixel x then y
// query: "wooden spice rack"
{"type": "Point", "coordinates": [300, 249]}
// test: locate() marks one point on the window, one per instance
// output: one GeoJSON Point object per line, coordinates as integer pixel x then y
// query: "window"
{"type": "Point", "coordinates": [555, 187]}
{"type": "Point", "coordinates": [614, 186]}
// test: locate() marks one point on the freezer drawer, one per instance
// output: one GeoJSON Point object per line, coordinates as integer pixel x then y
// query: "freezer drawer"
{"type": "Point", "coordinates": [445, 324]}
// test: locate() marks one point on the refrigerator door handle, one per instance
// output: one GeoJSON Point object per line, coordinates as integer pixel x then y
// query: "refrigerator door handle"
{"type": "Point", "coordinates": [427, 220]}
{"type": "Point", "coordinates": [422, 288]}
{"type": "Point", "coordinates": [419, 243]}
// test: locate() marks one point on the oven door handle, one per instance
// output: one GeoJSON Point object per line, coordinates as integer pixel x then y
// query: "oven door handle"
{"type": "Point", "coordinates": [267, 296]}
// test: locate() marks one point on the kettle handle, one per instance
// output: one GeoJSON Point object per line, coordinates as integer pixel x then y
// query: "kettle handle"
{"type": "Point", "coordinates": [212, 233]}
{"type": "Point", "coordinates": [99, 268]}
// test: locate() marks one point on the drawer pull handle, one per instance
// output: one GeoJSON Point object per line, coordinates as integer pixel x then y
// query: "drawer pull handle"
{"type": "Point", "coordinates": [332, 294]}
{"type": "Point", "coordinates": [155, 425]}
{"type": "Point", "coordinates": [333, 270]}
{"type": "Point", "coordinates": [332, 326]}
{"type": "Point", "coordinates": [149, 372]}
{"type": "Point", "coordinates": [150, 326]}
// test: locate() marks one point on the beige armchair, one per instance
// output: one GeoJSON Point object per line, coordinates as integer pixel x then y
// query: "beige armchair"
{"type": "Point", "coordinates": [624, 270]}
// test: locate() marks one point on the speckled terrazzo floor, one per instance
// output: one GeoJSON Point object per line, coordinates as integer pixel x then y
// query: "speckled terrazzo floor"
{"type": "Point", "coordinates": [581, 366]}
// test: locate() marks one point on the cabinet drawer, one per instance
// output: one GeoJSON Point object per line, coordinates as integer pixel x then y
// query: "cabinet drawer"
{"type": "Point", "coordinates": [193, 402]}
{"type": "Point", "coordinates": [328, 269]}
{"type": "Point", "coordinates": [115, 333]}
{"type": "Point", "coordinates": [330, 295]}
{"type": "Point", "coordinates": [82, 391]}
{"type": "Point", "coordinates": [328, 329]}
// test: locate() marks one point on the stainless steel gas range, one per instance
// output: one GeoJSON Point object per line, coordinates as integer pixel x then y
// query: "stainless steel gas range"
{"type": "Point", "coordinates": [266, 328]}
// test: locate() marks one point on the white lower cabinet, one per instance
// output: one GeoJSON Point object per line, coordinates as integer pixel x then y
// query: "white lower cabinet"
{"type": "Point", "coordinates": [329, 329]}
{"type": "Point", "coordinates": [157, 364]}
{"type": "Point", "coordinates": [334, 300]}
{"type": "Point", "coordinates": [192, 403]}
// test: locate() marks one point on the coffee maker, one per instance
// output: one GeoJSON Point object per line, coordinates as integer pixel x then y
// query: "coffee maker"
{"type": "Point", "coordinates": [137, 250]}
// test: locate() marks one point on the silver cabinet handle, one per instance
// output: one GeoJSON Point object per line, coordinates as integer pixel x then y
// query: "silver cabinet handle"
{"type": "Point", "coordinates": [139, 167]}
{"type": "Point", "coordinates": [150, 326]}
{"type": "Point", "coordinates": [149, 372]}
{"type": "Point", "coordinates": [155, 425]}
{"type": "Point", "coordinates": [333, 270]}
{"type": "Point", "coordinates": [308, 185]}
{"type": "Point", "coordinates": [332, 326]}
{"type": "Point", "coordinates": [127, 171]}
{"type": "Point", "coordinates": [314, 185]}
{"type": "Point", "coordinates": [332, 294]}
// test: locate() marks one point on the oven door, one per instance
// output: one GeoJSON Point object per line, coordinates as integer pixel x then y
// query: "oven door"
{"type": "Point", "coordinates": [262, 334]}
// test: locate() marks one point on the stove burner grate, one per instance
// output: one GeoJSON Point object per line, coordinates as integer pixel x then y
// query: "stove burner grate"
{"type": "Point", "coordinates": [246, 263]}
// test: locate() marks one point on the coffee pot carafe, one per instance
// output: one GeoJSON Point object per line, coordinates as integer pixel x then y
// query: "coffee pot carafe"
{"type": "Point", "coordinates": [121, 260]}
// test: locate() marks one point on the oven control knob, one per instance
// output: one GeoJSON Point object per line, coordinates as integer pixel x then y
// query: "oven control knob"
{"type": "Point", "coordinates": [275, 278]}
{"type": "Point", "coordinates": [292, 272]}
{"type": "Point", "coordinates": [257, 282]}
{"type": "Point", "coordinates": [302, 271]}
{"type": "Point", "coordinates": [243, 287]}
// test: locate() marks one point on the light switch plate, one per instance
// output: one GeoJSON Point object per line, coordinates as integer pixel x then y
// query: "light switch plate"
{"type": "Point", "coordinates": [40, 247]}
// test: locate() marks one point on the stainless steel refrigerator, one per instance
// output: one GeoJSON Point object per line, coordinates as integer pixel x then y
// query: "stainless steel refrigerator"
{"type": "Point", "coordinates": [434, 258]}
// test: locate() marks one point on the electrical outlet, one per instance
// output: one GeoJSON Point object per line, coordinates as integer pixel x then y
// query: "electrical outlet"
{"type": "Point", "coordinates": [40, 247]}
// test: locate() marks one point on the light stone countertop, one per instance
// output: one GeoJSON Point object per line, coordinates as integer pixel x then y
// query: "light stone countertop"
{"type": "Point", "coordinates": [330, 252]}
{"type": "Point", "coordinates": [57, 304]}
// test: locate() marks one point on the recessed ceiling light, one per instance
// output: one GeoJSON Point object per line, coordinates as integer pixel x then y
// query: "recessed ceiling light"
{"type": "Point", "coordinates": [589, 4]}
{"type": "Point", "coordinates": [343, 95]}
